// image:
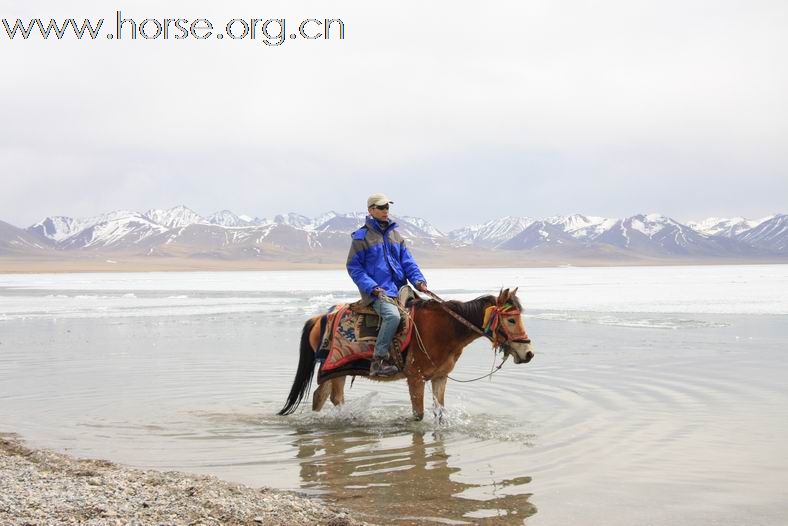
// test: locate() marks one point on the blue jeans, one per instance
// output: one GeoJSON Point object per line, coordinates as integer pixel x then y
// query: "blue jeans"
{"type": "Point", "coordinates": [389, 321]}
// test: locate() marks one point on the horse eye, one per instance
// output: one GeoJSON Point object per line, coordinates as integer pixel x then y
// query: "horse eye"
{"type": "Point", "coordinates": [511, 321]}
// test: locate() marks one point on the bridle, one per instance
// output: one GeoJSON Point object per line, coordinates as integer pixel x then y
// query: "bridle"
{"type": "Point", "coordinates": [492, 326]}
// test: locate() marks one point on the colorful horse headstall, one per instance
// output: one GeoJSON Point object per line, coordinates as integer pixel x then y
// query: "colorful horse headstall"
{"type": "Point", "coordinates": [493, 317]}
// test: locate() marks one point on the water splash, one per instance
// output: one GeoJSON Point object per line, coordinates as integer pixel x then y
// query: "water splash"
{"type": "Point", "coordinates": [368, 413]}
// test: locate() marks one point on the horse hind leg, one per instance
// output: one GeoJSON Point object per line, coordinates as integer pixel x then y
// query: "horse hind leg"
{"type": "Point", "coordinates": [335, 389]}
{"type": "Point", "coordinates": [320, 395]}
{"type": "Point", "coordinates": [338, 390]}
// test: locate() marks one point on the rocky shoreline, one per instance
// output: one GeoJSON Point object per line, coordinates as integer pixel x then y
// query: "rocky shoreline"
{"type": "Point", "coordinates": [40, 487]}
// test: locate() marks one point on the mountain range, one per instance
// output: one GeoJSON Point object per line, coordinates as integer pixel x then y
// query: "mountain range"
{"type": "Point", "coordinates": [182, 233]}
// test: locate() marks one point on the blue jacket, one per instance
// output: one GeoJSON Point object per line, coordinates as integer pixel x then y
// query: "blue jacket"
{"type": "Point", "coordinates": [380, 258]}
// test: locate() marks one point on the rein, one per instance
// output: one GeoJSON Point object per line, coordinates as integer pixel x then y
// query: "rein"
{"type": "Point", "coordinates": [490, 326]}
{"type": "Point", "coordinates": [491, 318]}
{"type": "Point", "coordinates": [453, 314]}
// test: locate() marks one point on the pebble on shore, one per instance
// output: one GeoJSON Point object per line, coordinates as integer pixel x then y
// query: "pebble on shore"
{"type": "Point", "coordinates": [44, 487]}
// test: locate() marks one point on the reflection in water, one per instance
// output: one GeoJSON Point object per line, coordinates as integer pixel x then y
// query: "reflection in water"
{"type": "Point", "coordinates": [403, 477]}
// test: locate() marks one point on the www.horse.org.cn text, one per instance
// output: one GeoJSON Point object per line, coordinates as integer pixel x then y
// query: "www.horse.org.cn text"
{"type": "Point", "coordinates": [269, 31]}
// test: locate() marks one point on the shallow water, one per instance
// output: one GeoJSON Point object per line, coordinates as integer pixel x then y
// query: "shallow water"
{"type": "Point", "coordinates": [674, 414]}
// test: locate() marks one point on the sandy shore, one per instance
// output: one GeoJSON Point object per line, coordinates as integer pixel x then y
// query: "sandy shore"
{"type": "Point", "coordinates": [43, 487]}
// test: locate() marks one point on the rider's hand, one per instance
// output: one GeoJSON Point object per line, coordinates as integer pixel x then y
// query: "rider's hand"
{"type": "Point", "coordinates": [379, 292]}
{"type": "Point", "coordinates": [421, 286]}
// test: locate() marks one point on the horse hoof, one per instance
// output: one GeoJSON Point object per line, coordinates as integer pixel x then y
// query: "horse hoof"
{"type": "Point", "coordinates": [418, 417]}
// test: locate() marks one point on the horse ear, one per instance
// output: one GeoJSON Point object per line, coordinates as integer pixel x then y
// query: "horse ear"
{"type": "Point", "coordinates": [514, 292]}
{"type": "Point", "coordinates": [503, 296]}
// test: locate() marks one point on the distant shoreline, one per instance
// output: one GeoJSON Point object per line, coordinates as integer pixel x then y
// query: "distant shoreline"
{"type": "Point", "coordinates": [9, 265]}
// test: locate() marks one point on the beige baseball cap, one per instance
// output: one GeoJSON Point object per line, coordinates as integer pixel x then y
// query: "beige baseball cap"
{"type": "Point", "coordinates": [378, 200]}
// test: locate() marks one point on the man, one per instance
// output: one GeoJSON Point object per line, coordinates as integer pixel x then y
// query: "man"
{"type": "Point", "coordinates": [380, 263]}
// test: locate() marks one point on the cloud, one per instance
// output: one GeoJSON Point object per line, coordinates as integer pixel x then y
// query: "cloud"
{"type": "Point", "coordinates": [547, 107]}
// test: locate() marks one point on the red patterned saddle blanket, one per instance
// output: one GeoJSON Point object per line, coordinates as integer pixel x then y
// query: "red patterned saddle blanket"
{"type": "Point", "coordinates": [351, 336]}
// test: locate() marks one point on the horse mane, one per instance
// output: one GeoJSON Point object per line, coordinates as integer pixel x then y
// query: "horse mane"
{"type": "Point", "coordinates": [472, 310]}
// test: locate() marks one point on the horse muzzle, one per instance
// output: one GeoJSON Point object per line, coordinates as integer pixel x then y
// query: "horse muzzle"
{"type": "Point", "coordinates": [521, 352]}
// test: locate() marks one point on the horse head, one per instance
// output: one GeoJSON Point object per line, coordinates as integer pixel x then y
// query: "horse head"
{"type": "Point", "coordinates": [509, 330]}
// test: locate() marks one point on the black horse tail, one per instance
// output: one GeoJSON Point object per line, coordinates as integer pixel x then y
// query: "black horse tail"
{"type": "Point", "coordinates": [303, 377]}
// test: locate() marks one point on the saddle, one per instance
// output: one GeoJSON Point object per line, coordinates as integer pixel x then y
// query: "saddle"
{"type": "Point", "coordinates": [405, 298]}
{"type": "Point", "coordinates": [349, 333]}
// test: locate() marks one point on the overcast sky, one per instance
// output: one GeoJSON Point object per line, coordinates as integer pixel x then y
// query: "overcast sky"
{"type": "Point", "coordinates": [460, 111]}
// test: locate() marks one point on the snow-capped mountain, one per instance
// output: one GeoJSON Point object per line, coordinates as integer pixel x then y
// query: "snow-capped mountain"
{"type": "Point", "coordinates": [491, 233]}
{"type": "Point", "coordinates": [295, 220]}
{"type": "Point", "coordinates": [340, 223]}
{"type": "Point", "coordinates": [229, 219]}
{"type": "Point", "coordinates": [540, 234]}
{"type": "Point", "coordinates": [324, 218]}
{"type": "Point", "coordinates": [117, 230]}
{"type": "Point", "coordinates": [347, 223]}
{"type": "Point", "coordinates": [180, 229]}
{"type": "Point", "coordinates": [730, 228]}
{"type": "Point", "coordinates": [15, 240]}
{"type": "Point", "coordinates": [771, 233]}
{"type": "Point", "coordinates": [60, 228]}
{"type": "Point", "coordinates": [420, 226]}
{"type": "Point", "coordinates": [101, 230]}
{"type": "Point", "coordinates": [582, 227]}
{"type": "Point", "coordinates": [176, 217]}
{"type": "Point", "coordinates": [651, 235]}
{"type": "Point", "coordinates": [179, 232]}
{"type": "Point", "coordinates": [418, 231]}
{"type": "Point", "coordinates": [57, 228]}
{"type": "Point", "coordinates": [214, 241]}
{"type": "Point", "coordinates": [500, 232]}
{"type": "Point", "coordinates": [655, 234]}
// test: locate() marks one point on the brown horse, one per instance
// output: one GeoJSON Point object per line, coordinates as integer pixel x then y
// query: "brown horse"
{"type": "Point", "coordinates": [433, 354]}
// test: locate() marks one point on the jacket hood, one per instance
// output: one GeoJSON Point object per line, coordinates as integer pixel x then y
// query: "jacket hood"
{"type": "Point", "coordinates": [371, 222]}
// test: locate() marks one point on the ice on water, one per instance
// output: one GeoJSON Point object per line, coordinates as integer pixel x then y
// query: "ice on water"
{"type": "Point", "coordinates": [566, 292]}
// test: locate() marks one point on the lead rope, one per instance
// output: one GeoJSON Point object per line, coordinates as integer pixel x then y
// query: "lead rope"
{"type": "Point", "coordinates": [459, 318]}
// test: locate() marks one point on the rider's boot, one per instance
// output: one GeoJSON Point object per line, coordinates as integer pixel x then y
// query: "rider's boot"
{"type": "Point", "coordinates": [382, 367]}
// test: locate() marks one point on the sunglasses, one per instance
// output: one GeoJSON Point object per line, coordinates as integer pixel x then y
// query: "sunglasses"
{"type": "Point", "coordinates": [380, 207]}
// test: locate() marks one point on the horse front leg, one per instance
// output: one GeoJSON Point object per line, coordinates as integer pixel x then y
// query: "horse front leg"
{"type": "Point", "coordinates": [416, 388]}
{"type": "Point", "coordinates": [438, 393]}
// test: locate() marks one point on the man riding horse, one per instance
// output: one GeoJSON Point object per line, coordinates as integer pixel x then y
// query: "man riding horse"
{"type": "Point", "coordinates": [380, 264]}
